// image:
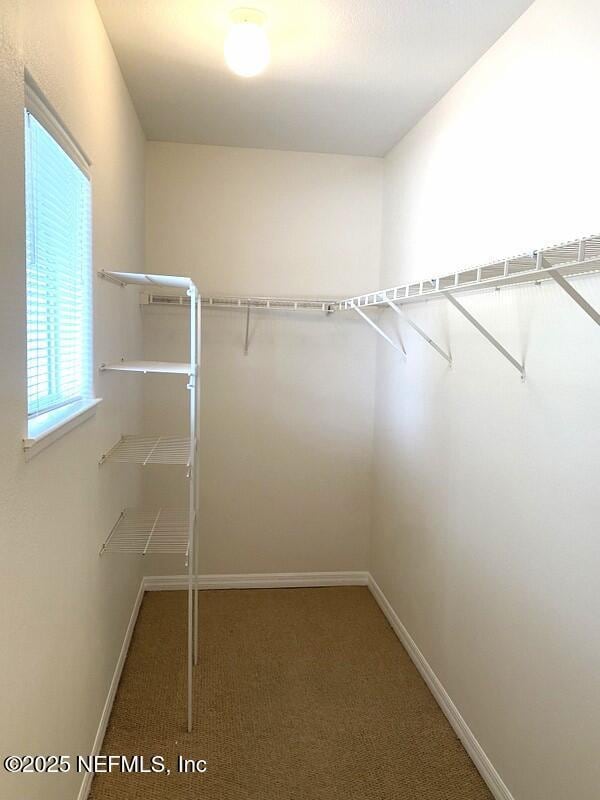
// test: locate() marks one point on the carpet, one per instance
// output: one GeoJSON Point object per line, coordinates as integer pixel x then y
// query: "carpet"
{"type": "Point", "coordinates": [300, 694]}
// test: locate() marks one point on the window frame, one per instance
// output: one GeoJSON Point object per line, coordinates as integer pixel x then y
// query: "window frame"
{"type": "Point", "coordinates": [50, 425]}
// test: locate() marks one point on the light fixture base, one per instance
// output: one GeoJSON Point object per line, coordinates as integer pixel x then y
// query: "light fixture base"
{"type": "Point", "coordinates": [250, 15]}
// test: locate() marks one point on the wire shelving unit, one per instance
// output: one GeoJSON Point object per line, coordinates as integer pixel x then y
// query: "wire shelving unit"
{"type": "Point", "coordinates": [143, 531]}
{"type": "Point", "coordinates": [556, 263]}
{"type": "Point", "coordinates": [579, 257]}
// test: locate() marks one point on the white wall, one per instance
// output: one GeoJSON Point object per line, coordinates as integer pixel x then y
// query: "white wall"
{"type": "Point", "coordinates": [486, 501]}
{"type": "Point", "coordinates": [64, 610]}
{"type": "Point", "coordinates": [286, 431]}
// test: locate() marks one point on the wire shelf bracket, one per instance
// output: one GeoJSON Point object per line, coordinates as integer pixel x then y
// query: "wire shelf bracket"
{"type": "Point", "coordinates": [247, 337]}
{"type": "Point", "coordinates": [383, 334]}
{"type": "Point", "coordinates": [110, 277]}
{"type": "Point", "coordinates": [574, 295]}
{"type": "Point", "coordinates": [420, 331]}
{"type": "Point", "coordinates": [484, 332]}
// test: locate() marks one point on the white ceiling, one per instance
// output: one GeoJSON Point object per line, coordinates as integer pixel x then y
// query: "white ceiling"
{"type": "Point", "coordinates": [346, 76]}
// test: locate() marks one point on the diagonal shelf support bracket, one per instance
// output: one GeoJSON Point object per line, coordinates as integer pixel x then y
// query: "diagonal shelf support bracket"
{"type": "Point", "coordinates": [399, 348]}
{"type": "Point", "coordinates": [106, 276]}
{"type": "Point", "coordinates": [247, 339]}
{"type": "Point", "coordinates": [467, 315]}
{"type": "Point", "coordinates": [574, 295]}
{"type": "Point", "coordinates": [420, 331]}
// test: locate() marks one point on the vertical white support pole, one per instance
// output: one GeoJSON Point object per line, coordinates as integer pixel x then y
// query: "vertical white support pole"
{"type": "Point", "coordinates": [192, 500]}
{"type": "Point", "coordinates": [197, 476]}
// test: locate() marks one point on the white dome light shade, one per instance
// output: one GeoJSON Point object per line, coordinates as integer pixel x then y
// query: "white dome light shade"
{"type": "Point", "coordinates": [247, 50]}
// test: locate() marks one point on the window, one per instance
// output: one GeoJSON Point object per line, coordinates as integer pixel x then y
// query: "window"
{"type": "Point", "coordinates": [59, 280]}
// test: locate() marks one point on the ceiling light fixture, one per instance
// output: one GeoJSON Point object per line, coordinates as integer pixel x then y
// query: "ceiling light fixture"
{"type": "Point", "coordinates": [247, 50]}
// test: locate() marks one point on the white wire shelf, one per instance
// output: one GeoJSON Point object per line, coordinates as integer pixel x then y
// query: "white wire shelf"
{"type": "Point", "coordinates": [141, 279]}
{"type": "Point", "coordinates": [168, 367]}
{"type": "Point", "coordinates": [569, 259]}
{"type": "Point", "coordinates": [151, 450]}
{"type": "Point", "coordinates": [149, 532]}
{"type": "Point", "coordinates": [226, 301]}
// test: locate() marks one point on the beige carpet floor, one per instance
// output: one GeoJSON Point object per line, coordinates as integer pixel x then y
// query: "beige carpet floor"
{"type": "Point", "coordinates": [302, 694]}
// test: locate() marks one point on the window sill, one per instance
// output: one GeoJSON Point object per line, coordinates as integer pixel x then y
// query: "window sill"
{"type": "Point", "coordinates": [79, 413]}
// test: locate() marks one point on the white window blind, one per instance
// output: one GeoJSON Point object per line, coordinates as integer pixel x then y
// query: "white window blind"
{"type": "Point", "coordinates": [59, 279]}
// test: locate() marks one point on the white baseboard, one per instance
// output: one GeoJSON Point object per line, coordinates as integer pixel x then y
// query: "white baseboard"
{"type": "Point", "coordinates": [484, 766]}
{"type": "Point", "coordinates": [112, 691]}
{"type": "Point", "coordinates": [270, 580]}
